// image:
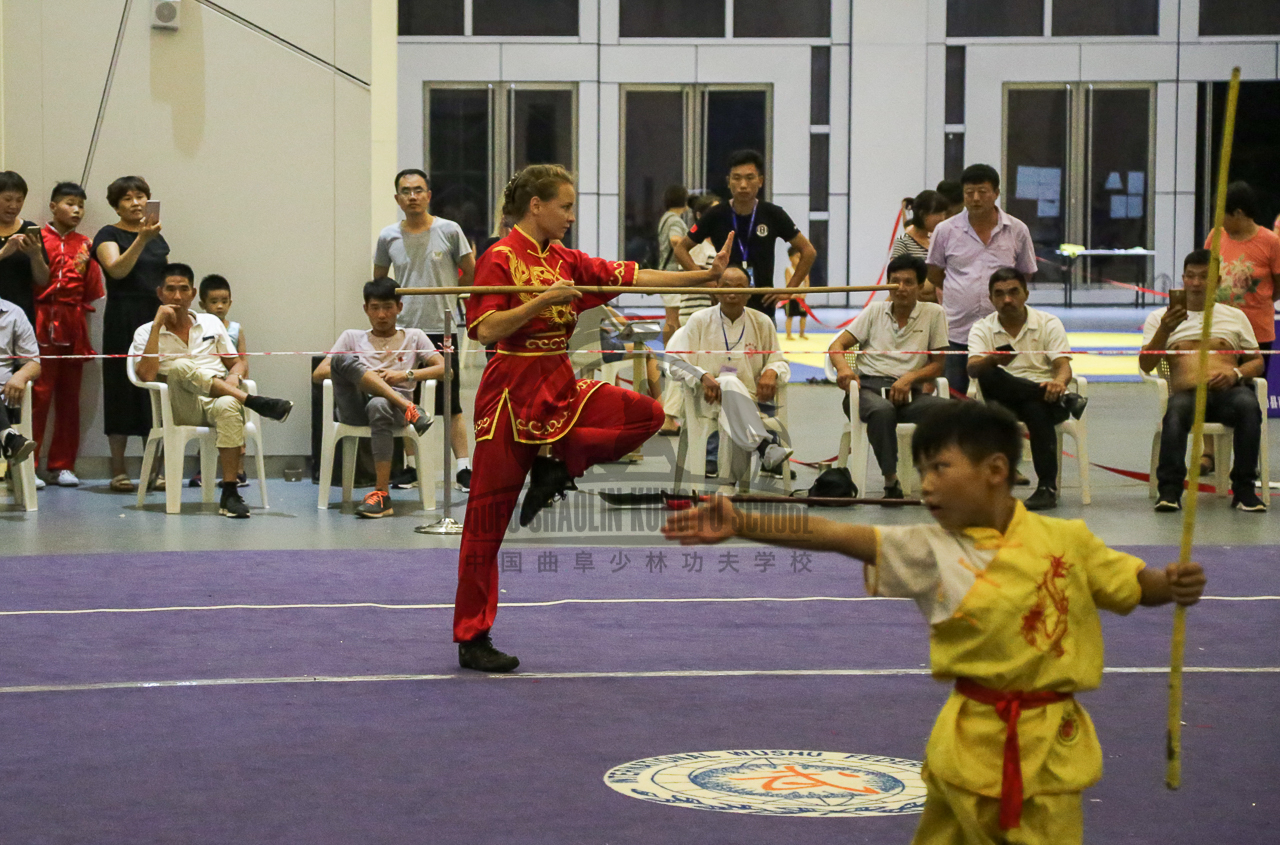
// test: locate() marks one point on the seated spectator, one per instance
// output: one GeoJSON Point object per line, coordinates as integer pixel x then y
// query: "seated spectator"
{"type": "Point", "coordinates": [19, 364]}
{"type": "Point", "coordinates": [374, 372]}
{"type": "Point", "coordinates": [895, 385]}
{"type": "Point", "coordinates": [191, 352]}
{"type": "Point", "coordinates": [737, 385]}
{"type": "Point", "coordinates": [1017, 356]}
{"type": "Point", "coordinates": [1231, 398]}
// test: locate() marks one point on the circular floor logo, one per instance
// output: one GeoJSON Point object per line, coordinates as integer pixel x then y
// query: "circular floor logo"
{"type": "Point", "coordinates": [776, 783]}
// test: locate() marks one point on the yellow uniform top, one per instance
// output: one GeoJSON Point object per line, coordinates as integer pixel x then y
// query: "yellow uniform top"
{"type": "Point", "coordinates": [1015, 612]}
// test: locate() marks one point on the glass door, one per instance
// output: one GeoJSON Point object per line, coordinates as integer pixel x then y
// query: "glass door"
{"type": "Point", "coordinates": [1120, 123]}
{"type": "Point", "coordinates": [1034, 182]}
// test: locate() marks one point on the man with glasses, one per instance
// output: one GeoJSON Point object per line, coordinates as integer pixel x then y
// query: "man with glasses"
{"type": "Point", "coordinates": [428, 251]}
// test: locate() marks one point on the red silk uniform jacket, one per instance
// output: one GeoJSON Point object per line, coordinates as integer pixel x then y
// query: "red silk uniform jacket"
{"type": "Point", "coordinates": [530, 383]}
{"type": "Point", "coordinates": [74, 281]}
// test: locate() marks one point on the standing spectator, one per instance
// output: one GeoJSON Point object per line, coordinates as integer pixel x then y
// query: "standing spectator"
{"type": "Point", "coordinates": [75, 280]}
{"type": "Point", "coordinates": [1019, 362]}
{"type": "Point", "coordinates": [1250, 264]}
{"type": "Point", "coordinates": [1230, 400]}
{"type": "Point", "coordinates": [671, 231]}
{"type": "Point", "coordinates": [954, 192]}
{"type": "Point", "coordinates": [133, 255]}
{"type": "Point", "coordinates": [928, 209]}
{"type": "Point", "coordinates": [895, 381]}
{"type": "Point", "coordinates": [19, 364]}
{"type": "Point", "coordinates": [963, 253]}
{"type": "Point", "coordinates": [795, 305]}
{"type": "Point", "coordinates": [24, 267]}
{"type": "Point", "coordinates": [757, 225]}
{"type": "Point", "coordinates": [426, 252]}
{"type": "Point", "coordinates": [690, 303]}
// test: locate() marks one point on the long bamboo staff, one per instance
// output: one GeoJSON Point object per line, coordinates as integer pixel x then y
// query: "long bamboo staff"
{"type": "Point", "coordinates": [1173, 770]}
{"type": "Point", "coordinates": [787, 292]}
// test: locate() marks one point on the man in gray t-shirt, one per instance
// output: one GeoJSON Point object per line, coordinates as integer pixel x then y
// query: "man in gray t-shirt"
{"type": "Point", "coordinates": [427, 251]}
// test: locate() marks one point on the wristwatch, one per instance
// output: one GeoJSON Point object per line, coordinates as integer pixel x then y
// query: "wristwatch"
{"type": "Point", "coordinates": [1239, 375]}
{"type": "Point", "coordinates": [410, 377]}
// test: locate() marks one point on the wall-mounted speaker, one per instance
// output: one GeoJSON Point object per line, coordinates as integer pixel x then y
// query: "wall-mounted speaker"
{"type": "Point", "coordinates": [164, 14]}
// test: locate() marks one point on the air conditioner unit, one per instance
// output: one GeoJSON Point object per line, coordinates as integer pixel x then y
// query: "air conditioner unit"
{"type": "Point", "coordinates": [164, 14]}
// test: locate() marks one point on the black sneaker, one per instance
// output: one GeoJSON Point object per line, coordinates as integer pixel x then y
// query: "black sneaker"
{"type": "Point", "coordinates": [1168, 504]}
{"type": "Point", "coordinates": [375, 506]}
{"type": "Point", "coordinates": [548, 482]}
{"type": "Point", "coordinates": [479, 654]}
{"type": "Point", "coordinates": [1042, 500]}
{"type": "Point", "coordinates": [195, 481]}
{"type": "Point", "coordinates": [405, 479]}
{"type": "Point", "coordinates": [1247, 500]}
{"type": "Point", "coordinates": [713, 469]}
{"type": "Point", "coordinates": [464, 479]}
{"type": "Point", "coordinates": [272, 409]}
{"type": "Point", "coordinates": [1074, 403]}
{"type": "Point", "coordinates": [894, 491]}
{"type": "Point", "coordinates": [242, 480]}
{"type": "Point", "coordinates": [17, 448]}
{"type": "Point", "coordinates": [232, 505]}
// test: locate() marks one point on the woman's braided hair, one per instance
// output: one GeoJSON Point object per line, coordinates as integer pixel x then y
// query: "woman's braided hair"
{"type": "Point", "coordinates": [537, 180]}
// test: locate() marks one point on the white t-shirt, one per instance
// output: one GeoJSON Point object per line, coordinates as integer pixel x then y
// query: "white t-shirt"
{"type": "Point", "coordinates": [1229, 324]}
{"type": "Point", "coordinates": [423, 260]}
{"type": "Point", "coordinates": [884, 344]}
{"type": "Point", "coordinates": [1041, 333]}
{"type": "Point", "coordinates": [413, 349]}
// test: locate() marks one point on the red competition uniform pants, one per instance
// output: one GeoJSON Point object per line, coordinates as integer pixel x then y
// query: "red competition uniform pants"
{"type": "Point", "coordinates": [613, 423]}
{"type": "Point", "coordinates": [58, 387]}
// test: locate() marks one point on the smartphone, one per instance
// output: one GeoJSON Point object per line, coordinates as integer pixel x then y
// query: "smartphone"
{"type": "Point", "coordinates": [153, 212]}
{"type": "Point", "coordinates": [1178, 299]}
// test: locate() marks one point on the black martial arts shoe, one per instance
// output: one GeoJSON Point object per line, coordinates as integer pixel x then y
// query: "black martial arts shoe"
{"type": "Point", "coordinates": [232, 505]}
{"type": "Point", "coordinates": [1043, 499]}
{"type": "Point", "coordinates": [1074, 403]}
{"type": "Point", "coordinates": [479, 654]}
{"type": "Point", "coordinates": [272, 409]}
{"type": "Point", "coordinates": [548, 482]}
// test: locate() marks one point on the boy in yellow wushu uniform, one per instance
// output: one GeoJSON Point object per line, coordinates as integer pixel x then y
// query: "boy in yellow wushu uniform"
{"type": "Point", "coordinates": [1012, 599]}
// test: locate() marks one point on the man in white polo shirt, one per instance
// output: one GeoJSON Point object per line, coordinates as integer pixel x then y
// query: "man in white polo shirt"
{"type": "Point", "coordinates": [203, 389]}
{"type": "Point", "coordinates": [1231, 398]}
{"type": "Point", "coordinates": [1018, 357]}
{"type": "Point", "coordinates": [895, 380]}
{"type": "Point", "coordinates": [963, 253]}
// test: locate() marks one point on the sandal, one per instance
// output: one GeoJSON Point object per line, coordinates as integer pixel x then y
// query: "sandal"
{"type": "Point", "coordinates": [122, 484]}
{"type": "Point", "coordinates": [157, 483]}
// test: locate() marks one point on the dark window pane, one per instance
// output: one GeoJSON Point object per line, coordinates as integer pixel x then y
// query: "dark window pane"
{"type": "Point", "coordinates": [525, 17]}
{"type": "Point", "coordinates": [671, 19]}
{"type": "Point", "coordinates": [955, 85]}
{"type": "Point", "coordinates": [820, 86]}
{"type": "Point", "coordinates": [992, 18]}
{"type": "Point", "coordinates": [818, 237]}
{"type": "Point", "coordinates": [953, 156]}
{"type": "Point", "coordinates": [458, 158]}
{"type": "Point", "coordinates": [1254, 150]}
{"type": "Point", "coordinates": [654, 160]}
{"type": "Point", "coordinates": [542, 127]}
{"type": "Point", "coordinates": [1106, 17]}
{"type": "Point", "coordinates": [431, 17]}
{"type": "Point", "coordinates": [771, 19]}
{"type": "Point", "coordinates": [735, 121]}
{"type": "Point", "coordinates": [1119, 182]}
{"type": "Point", "coordinates": [819, 172]}
{"type": "Point", "coordinates": [1033, 186]}
{"type": "Point", "coordinates": [1239, 17]}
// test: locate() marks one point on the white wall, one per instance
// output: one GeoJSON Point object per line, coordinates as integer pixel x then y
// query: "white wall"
{"type": "Point", "coordinates": [261, 156]}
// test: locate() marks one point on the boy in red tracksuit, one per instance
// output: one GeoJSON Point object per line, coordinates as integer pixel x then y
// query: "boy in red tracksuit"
{"type": "Point", "coordinates": [75, 280]}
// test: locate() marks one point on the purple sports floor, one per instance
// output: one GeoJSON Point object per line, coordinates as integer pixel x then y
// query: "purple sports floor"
{"type": "Point", "coordinates": [314, 697]}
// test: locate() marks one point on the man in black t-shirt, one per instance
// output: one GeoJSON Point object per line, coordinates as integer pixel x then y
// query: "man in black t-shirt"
{"type": "Point", "coordinates": [758, 226]}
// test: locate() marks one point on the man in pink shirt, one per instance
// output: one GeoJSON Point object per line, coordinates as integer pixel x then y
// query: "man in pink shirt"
{"type": "Point", "coordinates": [1250, 263]}
{"type": "Point", "coordinates": [964, 253]}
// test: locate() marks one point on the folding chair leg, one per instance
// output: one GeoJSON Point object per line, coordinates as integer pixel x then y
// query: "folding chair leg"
{"type": "Point", "coordinates": [148, 459]}
{"type": "Point", "coordinates": [349, 446]}
{"type": "Point", "coordinates": [210, 473]}
{"type": "Point", "coordinates": [327, 447]}
{"type": "Point", "coordinates": [260, 463]}
{"type": "Point", "coordinates": [1082, 450]}
{"type": "Point", "coordinates": [173, 475]}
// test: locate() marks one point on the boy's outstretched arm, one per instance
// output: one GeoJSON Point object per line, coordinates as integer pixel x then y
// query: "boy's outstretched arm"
{"type": "Point", "coordinates": [1178, 582]}
{"type": "Point", "coordinates": [719, 520]}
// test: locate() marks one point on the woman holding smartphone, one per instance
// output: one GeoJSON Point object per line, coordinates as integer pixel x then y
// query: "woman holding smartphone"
{"type": "Point", "coordinates": [24, 267]}
{"type": "Point", "coordinates": [133, 254]}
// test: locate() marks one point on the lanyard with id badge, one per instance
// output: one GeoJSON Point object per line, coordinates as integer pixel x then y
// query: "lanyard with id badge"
{"type": "Point", "coordinates": [741, 243]}
{"type": "Point", "coordinates": [728, 369]}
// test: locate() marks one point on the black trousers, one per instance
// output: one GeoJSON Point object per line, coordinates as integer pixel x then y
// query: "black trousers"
{"type": "Point", "coordinates": [1236, 407]}
{"type": "Point", "coordinates": [1025, 399]}
{"type": "Point", "coordinates": [956, 368]}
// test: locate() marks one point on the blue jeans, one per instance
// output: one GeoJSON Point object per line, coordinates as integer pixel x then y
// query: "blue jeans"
{"type": "Point", "coordinates": [1236, 407]}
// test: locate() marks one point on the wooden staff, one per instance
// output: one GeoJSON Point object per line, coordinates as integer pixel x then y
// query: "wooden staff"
{"type": "Point", "coordinates": [786, 292]}
{"type": "Point", "coordinates": [1173, 770]}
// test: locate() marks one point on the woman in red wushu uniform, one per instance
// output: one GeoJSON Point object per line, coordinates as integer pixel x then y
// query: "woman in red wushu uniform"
{"type": "Point", "coordinates": [528, 396]}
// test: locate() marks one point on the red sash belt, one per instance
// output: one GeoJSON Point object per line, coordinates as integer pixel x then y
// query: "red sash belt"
{"type": "Point", "coordinates": [1009, 706]}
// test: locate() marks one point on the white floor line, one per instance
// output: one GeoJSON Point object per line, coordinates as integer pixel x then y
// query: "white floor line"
{"type": "Point", "coordinates": [449, 605]}
{"type": "Point", "coordinates": [469, 677]}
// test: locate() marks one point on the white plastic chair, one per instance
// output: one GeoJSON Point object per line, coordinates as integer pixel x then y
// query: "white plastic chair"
{"type": "Point", "coordinates": [24, 474]}
{"type": "Point", "coordinates": [1223, 439]}
{"type": "Point", "coordinates": [1077, 430]}
{"type": "Point", "coordinates": [855, 449]}
{"type": "Point", "coordinates": [691, 453]}
{"type": "Point", "coordinates": [174, 437]}
{"type": "Point", "coordinates": [428, 447]}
